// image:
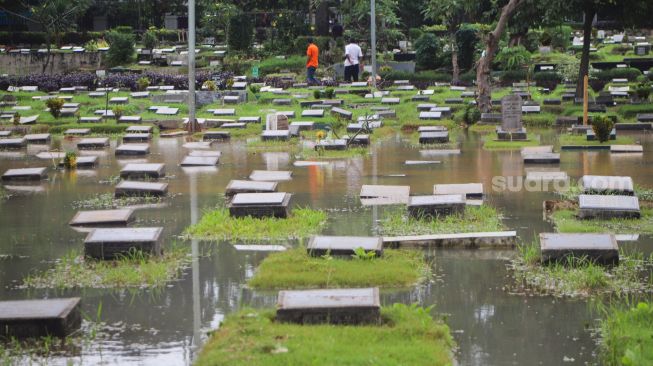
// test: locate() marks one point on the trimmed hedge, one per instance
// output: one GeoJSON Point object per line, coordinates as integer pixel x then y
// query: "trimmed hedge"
{"type": "Point", "coordinates": [38, 38]}
{"type": "Point", "coordinates": [106, 128]}
{"type": "Point", "coordinates": [275, 65]}
{"type": "Point", "coordinates": [629, 73]}
{"type": "Point", "coordinates": [631, 111]}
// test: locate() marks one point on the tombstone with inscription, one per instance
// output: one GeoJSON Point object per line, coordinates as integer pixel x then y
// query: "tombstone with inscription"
{"type": "Point", "coordinates": [511, 128]}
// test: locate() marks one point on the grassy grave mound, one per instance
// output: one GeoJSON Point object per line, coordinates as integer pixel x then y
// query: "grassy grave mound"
{"type": "Point", "coordinates": [219, 225]}
{"type": "Point", "coordinates": [257, 145]}
{"type": "Point", "coordinates": [581, 140]}
{"type": "Point", "coordinates": [566, 221]}
{"type": "Point", "coordinates": [475, 219]}
{"type": "Point", "coordinates": [296, 269]}
{"type": "Point", "coordinates": [133, 270]}
{"type": "Point", "coordinates": [627, 335]}
{"type": "Point", "coordinates": [491, 142]}
{"type": "Point", "coordinates": [578, 277]}
{"type": "Point", "coordinates": [407, 336]}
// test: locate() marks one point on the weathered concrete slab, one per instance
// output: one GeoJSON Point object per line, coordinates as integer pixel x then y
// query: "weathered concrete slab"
{"type": "Point", "coordinates": [270, 175]}
{"type": "Point", "coordinates": [434, 206]}
{"type": "Point", "coordinates": [422, 162]}
{"type": "Point", "coordinates": [389, 100]}
{"type": "Point", "coordinates": [248, 186]}
{"type": "Point", "coordinates": [608, 206]}
{"type": "Point", "coordinates": [5, 133]}
{"type": "Point", "coordinates": [260, 205]}
{"type": "Point", "coordinates": [493, 240]}
{"type": "Point", "coordinates": [132, 149]}
{"type": "Point", "coordinates": [255, 119]}
{"type": "Point", "coordinates": [40, 318]}
{"type": "Point", "coordinates": [136, 137]}
{"type": "Point", "coordinates": [342, 113]}
{"type": "Point", "coordinates": [372, 195]}
{"type": "Point", "coordinates": [313, 113]}
{"type": "Point", "coordinates": [598, 184]}
{"type": "Point", "coordinates": [592, 137]}
{"type": "Point", "coordinates": [25, 174]}
{"type": "Point", "coordinates": [436, 137]}
{"type": "Point", "coordinates": [139, 129]}
{"type": "Point", "coordinates": [637, 126]}
{"type": "Point", "coordinates": [93, 143]}
{"type": "Point", "coordinates": [530, 150]}
{"type": "Point", "coordinates": [13, 143]}
{"type": "Point", "coordinates": [90, 119]}
{"type": "Point", "coordinates": [431, 129]}
{"type": "Point", "coordinates": [260, 248]}
{"type": "Point", "coordinates": [430, 115]}
{"type": "Point", "coordinates": [343, 245]}
{"type": "Point", "coordinates": [305, 163]}
{"type": "Point", "coordinates": [128, 188]}
{"type": "Point", "coordinates": [541, 158]}
{"type": "Point", "coordinates": [38, 138]}
{"type": "Point", "coordinates": [205, 153]}
{"type": "Point", "coordinates": [600, 248]}
{"type": "Point", "coordinates": [546, 176]}
{"type": "Point", "coordinates": [339, 144]}
{"type": "Point", "coordinates": [469, 190]}
{"type": "Point", "coordinates": [83, 162]}
{"type": "Point", "coordinates": [340, 306]}
{"type": "Point", "coordinates": [224, 112]}
{"type": "Point", "coordinates": [200, 161]}
{"type": "Point", "coordinates": [77, 131]}
{"type": "Point", "coordinates": [626, 149]}
{"type": "Point", "coordinates": [102, 217]}
{"type": "Point", "coordinates": [113, 243]}
{"type": "Point", "coordinates": [51, 155]}
{"type": "Point", "coordinates": [143, 171]}
{"type": "Point", "coordinates": [278, 135]}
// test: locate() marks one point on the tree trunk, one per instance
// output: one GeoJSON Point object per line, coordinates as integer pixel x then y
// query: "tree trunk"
{"type": "Point", "coordinates": [590, 11]}
{"type": "Point", "coordinates": [483, 67]}
{"type": "Point", "coordinates": [455, 78]}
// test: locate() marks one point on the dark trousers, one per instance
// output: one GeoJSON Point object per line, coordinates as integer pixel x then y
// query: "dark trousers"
{"type": "Point", "coordinates": [351, 72]}
{"type": "Point", "coordinates": [310, 76]}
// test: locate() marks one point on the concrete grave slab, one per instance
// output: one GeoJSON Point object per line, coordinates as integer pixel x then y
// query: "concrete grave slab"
{"type": "Point", "coordinates": [601, 248]}
{"type": "Point", "coordinates": [340, 306]}
{"type": "Point", "coordinates": [25, 174]}
{"type": "Point", "coordinates": [140, 189]}
{"type": "Point", "coordinates": [434, 206]}
{"type": "Point", "coordinates": [469, 190]}
{"type": "Point", "coordinates": [143, 171]}
{"type": "Point", "coordinates": [270, 175]}
{"type": "Point", "coordinates": [343, 245]}
{"type": "Point", "coordinates": [132, 149]}
{"type": "Point", "coordinates": [40, 318]}
{"type": "Point", "coordinates": [111, 243]}
{"type": "Point", "coordinates": [608, 206]}
{"type": "Point", "coordinates": [121, 216]}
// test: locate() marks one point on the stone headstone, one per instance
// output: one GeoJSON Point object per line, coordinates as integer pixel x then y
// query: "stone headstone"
{"type": "Point", "coordinates": [470, 190]}
{"type": "Point", "coordinates": [600, 248]}
{"type": "Point", "coordinates": [436, 205]}
{"type": "Point", "coordinates": [260, 205]}
{"type": "Point", "coordinates": [339, 306]}
{"type": "Point", "coordinates": [112, 243]}
{"type": "Point", "coordinates": [511, 112]}
{"type": "Point", "coordinates": [343, 245]}
{"type": "Point", "coordinates": [608, 206]}
{"type": "Point", "coordinates": [40, 318]}
{"type": "Point", "coordinates": [248, 186]}
{"type": "Point", "coordinates": [270, 175]}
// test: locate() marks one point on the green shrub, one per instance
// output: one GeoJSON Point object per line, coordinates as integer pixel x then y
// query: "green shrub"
{"type": "Point", "coordinates": [414, 33]}
{"type": "Point", "coordinates": [426, 50]}
{"type": "Point", "coordinates": [427, 76]}
{"type": "Point", "coordinates": [627, 335]}
{"type": "Point", "coordinates": [330, 93]}
{"type": "Point", "coordinates": [547, 79]}
{"type": "Point", "coordinates": [121, 48]}
{"type": "Point", "coordinates": [643, 90]}
{"type": "Point", "coordinates": [149, 39]}
{"type": "Point", "coordinates": [596, 84]}
{"type": "Point", "coordinates": [466, 39]}
{"type": "Point", "coordinates": [513, 58]}
{"type": "Point", "coordinates": [241, 32]}
{"type": "Point", "coordinates": [631, 111]}
{"type": "Point", "coordinates": [513, 76]}
{"type": "Point", "coordinates": [468, 77]}
{"type": "Point", "coordinates": [275, 65]}
{"type": "Point", "coordinates": [602, 126]}
{"type": "Point", "coordinates": [471, 115]}
{"type": "Point", "coordinates": [99, 128]}
{"type": "Point", "coordinates": [317, 94]}
{"type": "Point", "coordinates": [55, 105]}
{"type": "Point", "coordinates": [629, 73]}
{"type": "Point", "coordinates": [70, 160]}
{"type": "Point", "coordinates": [142, 83]}
{"type": "Point", "coordinates": [559, 36]}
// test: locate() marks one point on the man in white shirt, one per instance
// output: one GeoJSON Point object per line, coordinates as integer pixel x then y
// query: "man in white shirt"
{"type": "Point", "coordinates": [353, 58]}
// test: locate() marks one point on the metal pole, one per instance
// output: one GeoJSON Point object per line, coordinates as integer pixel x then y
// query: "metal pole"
{"type": "Point", "coordinates": [191, 66]}
{"type": "Point", "coordinates": [373, 40]}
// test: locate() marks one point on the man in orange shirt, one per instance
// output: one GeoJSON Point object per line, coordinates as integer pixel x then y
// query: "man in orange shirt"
{"type": "Point", "coordinates": [311, 62]}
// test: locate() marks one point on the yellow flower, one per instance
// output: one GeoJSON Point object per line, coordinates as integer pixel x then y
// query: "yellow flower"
{"type": "Point", "coordinates": [319, 135]}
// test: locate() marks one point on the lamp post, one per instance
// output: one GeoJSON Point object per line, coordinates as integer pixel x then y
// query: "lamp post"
{"type": "Point", "coordinates": [373, 39]}
{"type": "Point", "coordinates": [192, 125]}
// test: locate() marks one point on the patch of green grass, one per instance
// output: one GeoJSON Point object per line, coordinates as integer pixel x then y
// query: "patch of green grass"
{"type": "Point", "coordinates": [571, 194]}
{"type": "Point", "coordinates": [627, 335]}
{"type": "Point", "coordinates": [581, 140]}
{"type": "Point", "coordinates": [408, 335]}
{"type": "Point", "coordinates": [274, 145]}
{"type": "Point", "coordinates": [296, 269]}
{"type": "Point", "coordinates": [108, 201]}
{"type": "Point", "coordinates": [578, 277]}
{"type": "Point", "coordinates": [219, 225]}
{"type": "Point", "coordinates": [475, 219]}
{"type": "Point", "coordinates": [482, 128]}
{"type": "Point", "coordinates": [566, 221]}
{"type": "Point", "coordinates": [491, 142]}
{"type": "Point", "coordinates": [351, 152]}
{"type": "Point", "coordinates": [133, 270]}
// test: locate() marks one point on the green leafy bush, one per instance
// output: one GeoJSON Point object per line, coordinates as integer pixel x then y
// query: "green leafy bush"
{"type": "Point", "coordinates": [121, 48]}
{"type": "Point", "coordinates": [142, 83]}
{"type": "Point", "coordinates": [513, 76]}
{"type": "Point", "coordinates": [602, 126]}
{"type": "Point", "coordinates": [426, 50]}
{"type": "Point", "coordinates": [241, 32]}
{"type": "Point", "coordinates": [643, 90]}
{"type": "Point", "coordinates": [628, 336]}
{"type": "Point", "coordinates": [466, 39]}
{"type": "Point", "coordinates": [559, 36]}
{"type": "Point", "coordinates": [276, 65]}
{"type": "Point", "coordinates": [55, 105]}
{"type": "Point", "coordinates": [547, 79]}
{"type": "Point", "coordinates": [629, 73]}
{"type": "Point", "coordinates": [513, 58]}
{"type": "Point", "coordinates": [70, 160]}
{"type": "Point", "coordinates": [471, 115]}
{"type": "Point", "coordinates": [149, 39]}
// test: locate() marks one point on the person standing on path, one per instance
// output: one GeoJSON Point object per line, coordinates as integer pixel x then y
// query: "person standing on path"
{"type": "Point", "coordinates": [353, 58]}
{"type": "Point", "coordinates": [312, 52]}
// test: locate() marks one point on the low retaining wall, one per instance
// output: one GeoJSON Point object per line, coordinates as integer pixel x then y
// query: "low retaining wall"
{"type": "Point", "coordinates": [60, 63]}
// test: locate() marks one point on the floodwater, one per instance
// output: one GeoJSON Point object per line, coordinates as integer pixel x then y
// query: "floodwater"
{"type": "Point", "coordinates": [167, 326]}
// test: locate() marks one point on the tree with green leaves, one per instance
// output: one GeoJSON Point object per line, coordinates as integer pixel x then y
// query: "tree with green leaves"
{"type": "Point", "coordinates": [451, 13]}
{"type": "Point", "coordinates": [357, 21]}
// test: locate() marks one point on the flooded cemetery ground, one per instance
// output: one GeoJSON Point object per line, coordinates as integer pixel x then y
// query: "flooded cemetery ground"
{"type": "Point", "coordinates": [492, 323]}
